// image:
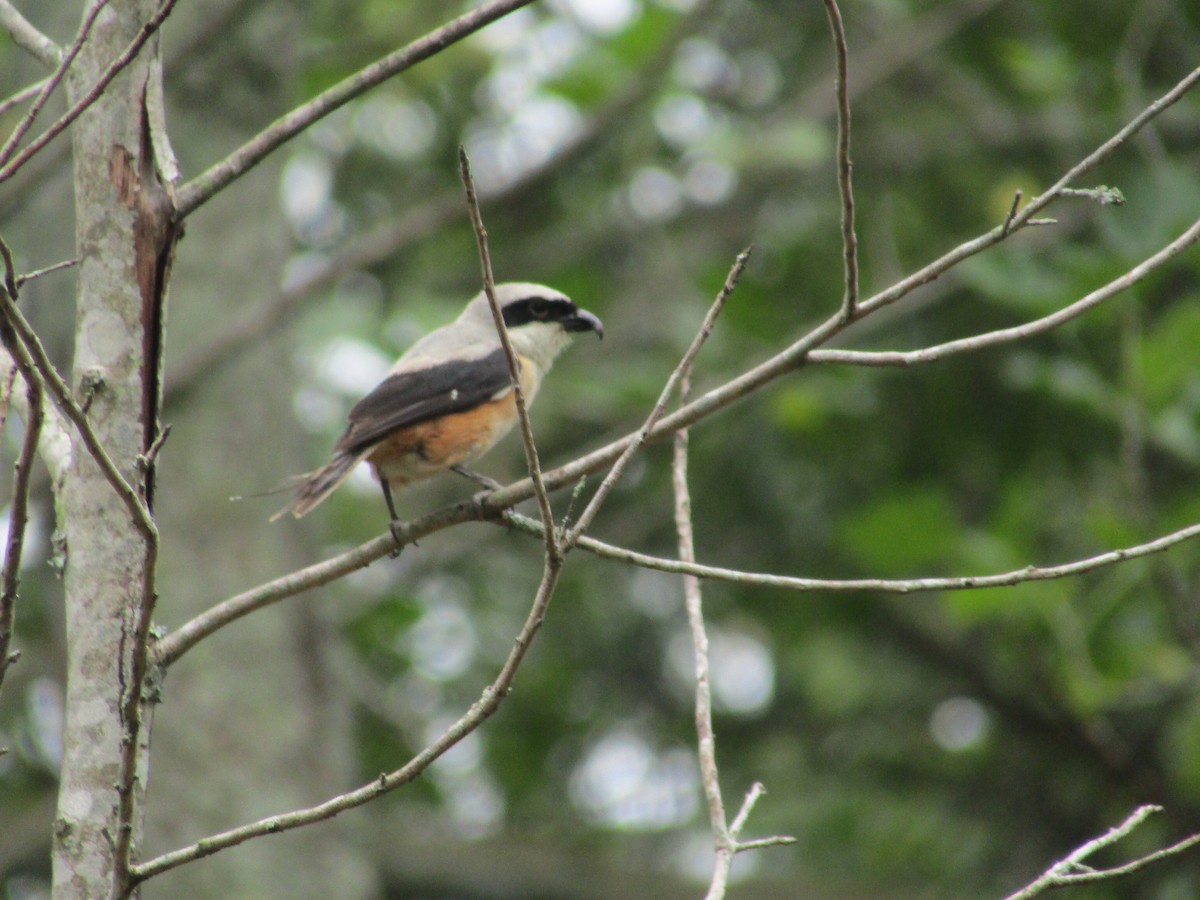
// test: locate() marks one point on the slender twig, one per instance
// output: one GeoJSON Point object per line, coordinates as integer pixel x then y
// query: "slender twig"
{"type": "Point", "coordinates": [571, 537]}
{"type": "Point", "coordinates": [1102, 194]}
{"type": "Point", "coordinates": [900, 44]}
{"type": "Point", "coordinates": [705, 737]}
{"type": "Point", "coordinates": [114, 69]}
{"type": "Point", "coordinates": [1018, 332]}
{"type": "Point", "coordinates": [1012, 212]}
{"type": "Point", "coordinates": [207, 184]}
{"type": "Point", "coordinates": [56, 77]}
{"type": "Point", "coordinates": [488, 702]}
{"type": "Point", "coordinates": [877, 585]}
{"type": "Point", "coordinates": [1072, 869]}
{"type": "Point", "coordinates": [30, 347]}
{"type": "Point", "coordinates": [849, 240]}
{"type": "Point", "coordinates": [27, 37]}
{"type": "Point", "coordinates": [21, 96]}
{"type": "Point", "coordinates": [168, 649]}
{"type": "Point", "coordinates": [38, 273]}
{"type": "Point", "coordinates": [10, 572]}
{"type": "Point", "coordinates": [739, 822]}
{"type": "Point", "coordinates": [514, 365]}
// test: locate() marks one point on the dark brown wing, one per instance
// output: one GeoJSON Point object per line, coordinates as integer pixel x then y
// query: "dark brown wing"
{"type": "Point", "coordinates": [410, 398]}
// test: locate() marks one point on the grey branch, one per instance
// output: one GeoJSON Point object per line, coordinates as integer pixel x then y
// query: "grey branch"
{"type": "Point", "coordinates": [878, 585]}
{"type": "Point", "coordinates": [706, 742]}
{"type": "Point", "coordinates": [114, 69]}
{"type": "Point", "coordinates": [553, 554]}
{"type": "Point", "coordinates": [216, 177]}
{"type": "Point", "coordinates": [845, 188]}
{"type": "Point", "coordinates": [632, 445]}
{"type": "Point", "coordinates": [29, 349]}
{"type": "Point", "coordinates": [1018, 332]}
{"type": "Point", "coordinates": [18, 517]}
{"type": "Point", "coordinates": [1072, 870]}
{"type": "Point", "coordinates": [27, 37]}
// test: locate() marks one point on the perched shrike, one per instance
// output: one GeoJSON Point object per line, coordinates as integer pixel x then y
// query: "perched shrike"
{"type": "Point", "coordinates": [450, 397]}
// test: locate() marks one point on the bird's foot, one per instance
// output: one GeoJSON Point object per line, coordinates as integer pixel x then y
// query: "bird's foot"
{"type": "Point", "coordinates": [395, 526]}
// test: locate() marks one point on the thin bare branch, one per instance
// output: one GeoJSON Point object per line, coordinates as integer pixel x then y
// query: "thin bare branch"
{"type": "Point", "coordinates": [168, 649]}
{"type": "Point", "coordinates": [877, 585]}
{"type": "Point", "coordinates": [27, 37]}
{"type": "Point", "coordinates": [26, 93]}
{"type": "Point", "coordinates": [114, 69]}
{"type": "Point", "coordinates": [38, 273]}
{"type": "Point", "coordinates": [48, 86]}
{"type": "Point", "coordinates": [899, 45]}
{"type": "Point", "coordinates": [571, 537]}
{"type": "Point", "coordinates": [845, 188]}
{"type": "Point", "coordinates": [216, 177]}
{"type": "Point", "coordinates": [705, 736]}
{"type": "Point", "coordinates": [1072, 870]}
{"type": "Point", "coordinates": [1019, 332]}
{"type": "Point", "coordinates": [480, 711]}
{"type": "Point", "coordinates": [739, 822]}
{"type": "Point", "coordinates": [1012, 212]}
{"type": "Point", "coordinates": [1102, 194]}
{"type": "Point", "coordinates": [514, 365]}
{"type": "Point", "coordinates": [30, 349]}
{"type": "Point", "coordinates": [18, 510]}
{"type": "Point", "coordinates": [17, 520]}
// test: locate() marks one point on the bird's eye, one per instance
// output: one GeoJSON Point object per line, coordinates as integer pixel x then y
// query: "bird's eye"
{"type": "Point", "coordinates": [539, 309]}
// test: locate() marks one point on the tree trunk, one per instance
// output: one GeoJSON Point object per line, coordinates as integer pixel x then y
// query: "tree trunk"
{"type": "Point", "coordinates": [124, 240]}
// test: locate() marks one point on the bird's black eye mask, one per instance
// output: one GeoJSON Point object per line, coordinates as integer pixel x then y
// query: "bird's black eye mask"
{"type": "Point", "coordinates": [537, 309]}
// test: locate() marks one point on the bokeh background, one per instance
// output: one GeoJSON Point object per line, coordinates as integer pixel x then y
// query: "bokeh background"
{"type": "Point", "coordinates": [939, 745]}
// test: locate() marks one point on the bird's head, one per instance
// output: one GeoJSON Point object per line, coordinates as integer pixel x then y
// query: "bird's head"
{"type": "Point", "coordinates": [540, 320]}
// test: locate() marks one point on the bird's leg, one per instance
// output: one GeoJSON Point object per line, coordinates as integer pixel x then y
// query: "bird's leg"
{"type": "Point", "coordinates": [490, 483]}
{"type": "Point", "coordinates": [393, 520]}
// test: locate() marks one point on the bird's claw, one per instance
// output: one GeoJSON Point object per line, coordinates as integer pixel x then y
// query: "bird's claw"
{"type": "Point", "coordinates": [394, 527]}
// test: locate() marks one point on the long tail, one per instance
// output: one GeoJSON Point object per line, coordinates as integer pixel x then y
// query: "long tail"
{"type": "Point", "coordinates": [318, 485]}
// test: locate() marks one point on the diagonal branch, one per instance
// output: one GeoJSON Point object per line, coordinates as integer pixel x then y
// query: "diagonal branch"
{"type": "Point", "coordinates": [878, 585]}
{"type": "Point", "coordinates": [1072, 869]}
{"type": "Point", "coordinates": [29, 351]}
{"type": "Point", "coordinates": [202, 188]}
{"type": "Point", "coordinates": [553, 555]}
{"type": "Point", "coordinates": [47, 87]}
{"type": "Point", "coordinates": [631, 446]}
{"type": "Point", "coordinates": [1018, 332]}
{"type": "Point", "coordinates": [28, 38]}
{"type": "Point", "coordinates": [21, 96]}
{"type": "Point", "coordinates": [114, 69]}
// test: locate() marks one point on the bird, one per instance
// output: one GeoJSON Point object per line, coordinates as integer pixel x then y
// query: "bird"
{"type": "Point", "coordinates": [449, 398]}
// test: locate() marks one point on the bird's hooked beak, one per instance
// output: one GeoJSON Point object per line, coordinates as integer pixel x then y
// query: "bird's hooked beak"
{"type": "Point", "coordinates": [582, 320]}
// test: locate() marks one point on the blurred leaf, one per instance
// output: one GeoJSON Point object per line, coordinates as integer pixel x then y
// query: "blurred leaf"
{"type": "Point", "coordinates": [901, 532]}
